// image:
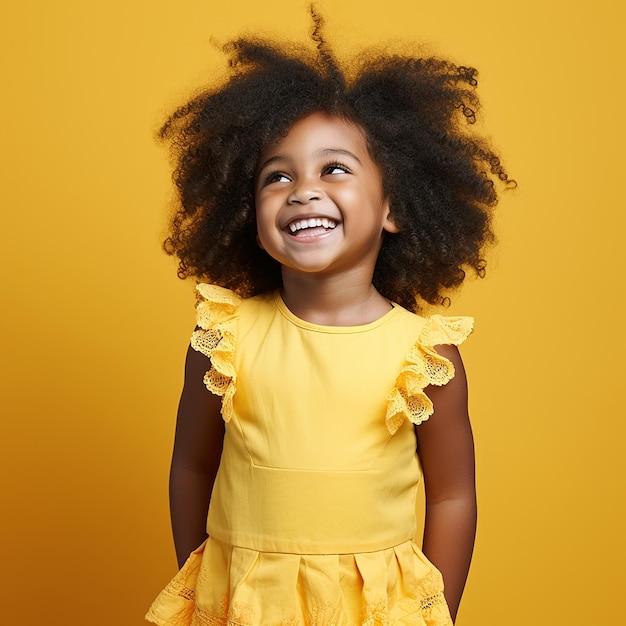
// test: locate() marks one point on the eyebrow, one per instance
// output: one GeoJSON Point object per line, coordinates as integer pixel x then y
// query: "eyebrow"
{"type": "Point", "coordinates": [324, 152]}
{"type": "Point", "coordinates": [340, 151]}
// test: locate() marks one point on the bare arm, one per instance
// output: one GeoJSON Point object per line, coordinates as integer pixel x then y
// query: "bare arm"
{"type": "Point", "coordinates": [196, 457]}
{"type": "Point", "coordinates": [446, 450]}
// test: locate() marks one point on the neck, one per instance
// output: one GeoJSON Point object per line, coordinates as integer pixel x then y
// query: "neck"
{"type": "Point", "coordinates": [333, 301]}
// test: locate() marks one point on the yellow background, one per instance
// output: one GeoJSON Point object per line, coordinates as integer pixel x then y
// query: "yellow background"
{"type": "Point", "coordinates": [95, 323]}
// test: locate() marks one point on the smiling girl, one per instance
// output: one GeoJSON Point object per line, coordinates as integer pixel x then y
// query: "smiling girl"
{"type": "Point", "coordinates": [323, 214]}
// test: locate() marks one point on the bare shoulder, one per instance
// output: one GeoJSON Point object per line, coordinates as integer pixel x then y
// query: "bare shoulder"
{"type": "Point", "coordinates": [451, 397]}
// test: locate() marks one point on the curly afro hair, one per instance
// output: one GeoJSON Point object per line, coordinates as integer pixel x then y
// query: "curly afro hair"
{"type": "Point", "coordinates": [440, 178]}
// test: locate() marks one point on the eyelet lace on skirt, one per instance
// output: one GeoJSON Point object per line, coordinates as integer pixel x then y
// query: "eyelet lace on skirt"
{"type": "Point", "coordinates": [223, 585]}
{"type": "Point", "coordinates": [424, 367]}
{"type": "Point", "coordinates": [216, 316]}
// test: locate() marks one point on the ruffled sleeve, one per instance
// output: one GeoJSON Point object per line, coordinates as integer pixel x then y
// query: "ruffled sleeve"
{"type": "Point", "coordinates": [424, 367]}
{"type": "Point", "coordinates": [217, 313]}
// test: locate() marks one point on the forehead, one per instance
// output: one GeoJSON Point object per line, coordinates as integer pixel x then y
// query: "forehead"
{"type": "Point", "coordinates": [317, 132]}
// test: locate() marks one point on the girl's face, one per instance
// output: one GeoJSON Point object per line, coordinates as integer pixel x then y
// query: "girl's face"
{"type": "Point", "coordinates": [320, 205]}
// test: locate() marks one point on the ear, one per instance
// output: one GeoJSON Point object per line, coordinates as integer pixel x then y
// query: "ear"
{"type": "Point", "coordinates": [389, 225]}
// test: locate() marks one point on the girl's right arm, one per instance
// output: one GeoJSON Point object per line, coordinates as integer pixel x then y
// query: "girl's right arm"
{"type": "Point", "coordinates": [196, 457]}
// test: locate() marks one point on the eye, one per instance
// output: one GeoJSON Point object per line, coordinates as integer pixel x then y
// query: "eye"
{"type": "Point", "coordinates": [275, 177]}
{"type": "Point", "coordinates": [335, 168]}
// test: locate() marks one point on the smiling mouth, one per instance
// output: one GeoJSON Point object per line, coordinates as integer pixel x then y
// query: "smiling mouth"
{"type": "Point", "coordinates": [311, 225]}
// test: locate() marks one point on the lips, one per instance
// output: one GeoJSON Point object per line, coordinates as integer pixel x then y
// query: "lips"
{"type": "Point", "coordinates": [311, 223]}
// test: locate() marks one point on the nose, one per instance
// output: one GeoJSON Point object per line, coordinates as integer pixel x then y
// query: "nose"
{"type": "Point", "coordinates": [304, 192]}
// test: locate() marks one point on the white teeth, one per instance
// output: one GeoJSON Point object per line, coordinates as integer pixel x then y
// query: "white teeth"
{"type": "Point", "coordinates": [311, 222]}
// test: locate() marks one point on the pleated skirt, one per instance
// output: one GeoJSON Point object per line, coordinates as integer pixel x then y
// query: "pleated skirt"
{"type": "Point", "coordinates": [223, 585]}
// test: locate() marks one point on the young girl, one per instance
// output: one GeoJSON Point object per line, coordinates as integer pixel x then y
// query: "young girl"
{"type": "Point", "coordinates": [323, 207]}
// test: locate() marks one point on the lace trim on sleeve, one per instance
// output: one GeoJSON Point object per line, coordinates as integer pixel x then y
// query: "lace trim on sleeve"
{"type": "Point", "coordinates": [424, 367]}
{"type": "Point", "coordinates": [217, 313]}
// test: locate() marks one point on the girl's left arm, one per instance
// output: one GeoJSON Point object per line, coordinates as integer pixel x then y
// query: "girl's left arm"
{"type": "Point", "coordinates": [446, 450]}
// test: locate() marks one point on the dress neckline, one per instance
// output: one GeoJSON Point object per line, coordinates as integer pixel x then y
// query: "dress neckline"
{"type": "Point", "coordinates": [339, 330]}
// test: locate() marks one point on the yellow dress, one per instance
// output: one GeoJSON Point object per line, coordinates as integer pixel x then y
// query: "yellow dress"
{"type": "Point", "coordinates": [312, 515]}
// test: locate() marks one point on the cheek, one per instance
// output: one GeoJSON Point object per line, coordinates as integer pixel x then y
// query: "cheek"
{"type": "Point", "coordinates": [349, 200]}
{"type": "Point", "coordinates": [260, 212]}
{"type": "Point", "coordinates": [263, 239]}
{"type": "Point", "coordinates": [265, 225]}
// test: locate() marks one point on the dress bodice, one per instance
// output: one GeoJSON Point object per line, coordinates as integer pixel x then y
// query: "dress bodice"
{"type": "Point", "coordinates": [312, 461]}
